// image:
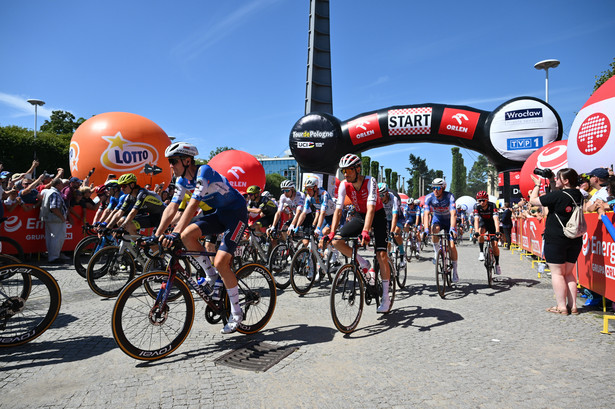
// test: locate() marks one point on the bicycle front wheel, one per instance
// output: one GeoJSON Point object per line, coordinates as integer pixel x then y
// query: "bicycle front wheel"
{"type": "Point", "coordinates": [279, 265]}
{"type": "Point", "coordinates": [83, 253]}
{"type": "Point", "coordinates": [303, 270]}
{"type": "Point", "coordinates": [346, 300]}
{"type": "Point", "coordinates": [109, 271]}
{"type": "Point", "coordinates": [143, 328]}
{"type": "Point", "coordinates": [489, 265]}
{"type": "Point", "coordinates": [440, 273]}
{"type": "Point", "coordinates": [402, 272]}
{"type": "Point", "coordinates": [11, 247]}
{"type": "Point", "coordinates": [30, 301]}
{"type": "Point", "coordinates": [257, 298]}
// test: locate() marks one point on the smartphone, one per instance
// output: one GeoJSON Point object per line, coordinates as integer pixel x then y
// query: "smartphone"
{"type": "Point", "coordinates": [92, 171]}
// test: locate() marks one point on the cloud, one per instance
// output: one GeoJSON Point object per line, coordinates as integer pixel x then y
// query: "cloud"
{"type": "Point", "coordinates": [201, 40]}
{"type": "Point", "coordinates": [21, 106]}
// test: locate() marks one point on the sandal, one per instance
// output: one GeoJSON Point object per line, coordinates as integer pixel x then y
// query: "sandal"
{"type": "Point", "coordinates": [573, 311]}
{"type": "Point", "coordinates": [556, 310]}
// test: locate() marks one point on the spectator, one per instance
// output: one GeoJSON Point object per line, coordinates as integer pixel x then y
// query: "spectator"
{"type": "Point", "coordinates": [506, 221]}
{"type": "Point", "coordinates": [598, 180]}
{"type": "Point", "coordinates": [28, 196]}
{"type": "Point", "coordinates": [54, 213]}
{"type": "Point", "coordinates": [559, 251]}
{"type": "Point", "coordinates": [584, 185]}
{"type": "Point", "coordinates": [68, 194]}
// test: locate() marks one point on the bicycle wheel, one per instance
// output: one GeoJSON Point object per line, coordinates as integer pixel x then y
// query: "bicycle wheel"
{"type": "Point", "coordinates": [303, 270]}
{"type": "Point", "coordinates": [490, 265]}
{"type": "Point", "coordinates": [30, 300]}
{"type": "Point", "coordinates": [145, 330]}
{"type": "Point", "coordinates": [6, 260]}
{"type": "Point", "coordinates": [11, 247]}
{"type": "Point", "coordinates": [109, 271]}
{"type": "Point", "coordinates": [257, 298]}
{"type": "Point", "coordinates": [83, 253]}
{"type": "Point", "coordinates": [346, 300]}
{"type": "Point", "coordinates": [401, 273]}
{"type": "Point", "coordinates": [279, 265]}
{"type": "Point", "coordinates": [408, 249]}
{"type": "Point", "coordinates": [441, 274]}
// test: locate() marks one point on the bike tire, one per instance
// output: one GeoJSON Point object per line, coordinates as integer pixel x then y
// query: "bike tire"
{"type": "Point", "coordinates": [346, 299]}
{"type": "Point", "coordinates": [489, 265]}
{"type": "Point", "coordinates": [84, 251]}
{"type": "Point", "coordinates": [11, 247]}
{"type": "Point", "coordinates": [257, 298]}
{"type": "Point", "coordinates": [303, 271]}
{"type": "Point", "coordinates": [401, 273]}
{"type": "Point", "coordinates": [440, 274]}
{"type": "Point", "coordinates": [30, 298]}
{"type": "Point", "coordinates": [140, 328]}
{"type": "Point", "coordinates": [108, 271]}
{"type": "Point", "coordinates": [279, 265]}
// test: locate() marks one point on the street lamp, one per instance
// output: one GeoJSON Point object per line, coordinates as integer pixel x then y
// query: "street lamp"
{"type": "Point", "coordinates": [36, 103]}
{"type": "Point", "coordinates": [545, 65]}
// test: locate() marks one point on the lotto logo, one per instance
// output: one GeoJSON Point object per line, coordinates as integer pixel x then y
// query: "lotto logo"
{"type": "Point", "coordinates": [593, 133]}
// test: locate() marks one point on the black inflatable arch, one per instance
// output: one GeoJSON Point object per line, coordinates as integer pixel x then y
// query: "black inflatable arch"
{"type": "Point", "coordinates": [507, 136]}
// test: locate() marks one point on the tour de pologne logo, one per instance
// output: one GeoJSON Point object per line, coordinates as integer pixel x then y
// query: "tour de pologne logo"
{"type": "Point", "coordinates": [593, 133]}
{"type": "Point", "coordinates": [123, 155]}
{"type": "Point", "coordinates": [73, 157]}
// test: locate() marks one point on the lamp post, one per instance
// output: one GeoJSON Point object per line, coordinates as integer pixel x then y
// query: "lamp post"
{"type": "Point", "coordinates": [36, 103]}
{"type": "Point", "coordinates": [545, 65]}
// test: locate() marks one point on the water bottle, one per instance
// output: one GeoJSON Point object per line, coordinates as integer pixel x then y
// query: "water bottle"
{"type": "Point", "coordinates": [218, 285]}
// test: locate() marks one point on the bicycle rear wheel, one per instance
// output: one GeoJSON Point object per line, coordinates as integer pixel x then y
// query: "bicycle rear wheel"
{"type": "Point", "coordinates": [441, 274]}
{"type": "Point", "coordinates": [11, 247]}
{"type": "Point", "coordinates": [30, 301]}
{"type": "Point", "coordinates": [257, 298]}
{"type": "Point", "coordinates": [145, 330]}
{"type": "Point", "coordinates": [279, 265]}
{"type": "Point", "coordinates": [109, 271]}
{"type": "Point", "coordinates": [303, 270]}
{"type": "Point", "coordinates": [83, 253]}
{"type": "Point", "coordinates": [346, 300]}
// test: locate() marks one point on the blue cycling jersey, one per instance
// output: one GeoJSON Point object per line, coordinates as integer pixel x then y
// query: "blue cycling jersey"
{"type": "Point", "coordinates": [216, 191]}
{"type": "Point", "coordinates": [319, 202]}
{"type": "Point", "coordinates": [441, 208]}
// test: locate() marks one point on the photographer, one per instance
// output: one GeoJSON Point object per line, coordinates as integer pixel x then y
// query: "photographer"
{"type": "Point", "coordinates": [559, 251]}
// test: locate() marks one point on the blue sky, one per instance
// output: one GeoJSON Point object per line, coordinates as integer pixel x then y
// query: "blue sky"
{"type": "Point", "coordinates": [232, 73]}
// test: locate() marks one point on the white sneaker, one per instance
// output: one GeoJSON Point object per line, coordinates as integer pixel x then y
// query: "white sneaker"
{"type": "Point", "coordinates": [384, 306]}
{"type": "Point", "coordinates": [232, 324]}
{"type": "Point", "coordinates": [402, 264]}
{"type": "Point", "coordinates": [481, 256]}
{"type": "Point", "coordinates": [498, 270]}
{"type": "Point", "coordinates": [455, 277]}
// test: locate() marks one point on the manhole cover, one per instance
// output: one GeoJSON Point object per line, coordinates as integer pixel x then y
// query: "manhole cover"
{"type": "Point", "coordinates": [257, 356]}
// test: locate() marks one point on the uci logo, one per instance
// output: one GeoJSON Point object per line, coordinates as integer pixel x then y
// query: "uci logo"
{"type": "Point", "coordinates": [123, 155]}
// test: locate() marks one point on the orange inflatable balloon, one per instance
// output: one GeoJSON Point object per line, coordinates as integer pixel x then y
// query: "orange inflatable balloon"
{"type": "Point", "coordinates": [118, 143]}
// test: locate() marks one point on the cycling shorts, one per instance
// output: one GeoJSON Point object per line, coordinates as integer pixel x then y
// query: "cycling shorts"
{"type": "Point", "coordinates": [231, 223]}
{"type": "Point", "coordinates": [353, 228]}
{"type": "Point", "coordinates": [444, 223]}
{"type": "Point", "coordinates": [145, 221]}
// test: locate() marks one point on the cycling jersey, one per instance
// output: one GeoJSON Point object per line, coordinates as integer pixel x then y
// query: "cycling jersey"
{"type": "Point", "coordinates": [366, 195]}
{"type": "Point", "coordinates": [268, 209]}
{"type": "Point", "coordinates": [319, 202]}
{"type": "Point", "coordinates": [440, 208]}
{"type": "Point", "coordinates": [146, 201]}
{"type": "Point", "coordinates": [411, 214]}
{"type": "Point", "coordinates": [216, 191]}
{"type": "Point", "coordinates": [183, 193]}
{"type": "Point", "coordinates": [487, 213]}
{"type": "Point", "coordinates": [391, 207]}
{"type": "Point", "coordinates": [291, 203]}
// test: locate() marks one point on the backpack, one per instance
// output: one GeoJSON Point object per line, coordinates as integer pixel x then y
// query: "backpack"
{"type": "Point", "coordinates": [576, 226]}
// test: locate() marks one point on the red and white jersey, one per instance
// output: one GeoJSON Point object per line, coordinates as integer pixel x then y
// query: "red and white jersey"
{"type": "Point", "coordinates": [367, 195]}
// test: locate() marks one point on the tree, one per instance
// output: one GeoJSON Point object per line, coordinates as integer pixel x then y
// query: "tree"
{"type": "Point", "coordinates": [18, 144]}
{"type": "Point", "coordinates": [375, 169]}
{"type": "Point", "coordinates": [218, 150]}
{"type": "Point", "coordinates": [61, 123]}
{"type": "Point", "coordinates": [387, 174]}
{"type": "Point", "coordinates": [272, 184]}
{"type": "Point", "coordinates": [458, 179]}
{"type": "Point", "coordinates": [415, 184]}
{"type": "Point", "coordinates": [479, 175]}
{"type": "Point", "coordinates": [394, 179]}
{"type": "Point", "coordinates": [366, 164]}
{"type": "Point", "coordinates": [605, 76]}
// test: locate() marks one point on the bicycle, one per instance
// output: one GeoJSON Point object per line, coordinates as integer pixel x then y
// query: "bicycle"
{"type": "Point", "coordinates": [9, 245]}
{"type": "Point", "coordinates": [30, 301]}
{"type": "Point", "coordinates": [153, 314]}
{"type": "Point", "coordinates": [112, 267]}
{"type": "Point", "coordinates": [396, 257]}
{"type": "Point", "coordinates": [444, 264]}
{"type": "Point", "coordinates": [280, 259]}
{"type": "Point", "coordinates": [413, 244]}
{"type": "Point", "coordinates": [489, 257]}
{"type": "Point", "coordinates": [310, 264]}
{"type": "Point", "coordinates": [351, 288]}
{"type": "Point", "coordinates": [87, 247]}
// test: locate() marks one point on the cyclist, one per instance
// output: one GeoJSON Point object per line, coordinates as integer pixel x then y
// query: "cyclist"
{"type": "Point", "coordinates": [291, 202]}
{"type": "Point", "coordinates": [395, 217]}
{"type": "Point", "coordinates": [260, 207]}
{"type": "Point", "coordinates": [141, 208]}
{"type": "Point", "coordinates": [486, 219]}
{"type": "Point", "coordinates": [441, 205]}
{"type": "Point", "coordinates": [412, 214]}
{"type": "Point", "coordinates": [369, 212]}
{"type": "Point", "coordinates": [462, 217]}
{"type": "Point", "coordinates": [229, 218]}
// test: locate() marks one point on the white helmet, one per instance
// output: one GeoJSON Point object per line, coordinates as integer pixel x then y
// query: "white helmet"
{"type": "Point", "coordinates": [349, 160]}
{"type": "Point", "coordinates": [310, 181]}
{"type": "Point", "coordinates": [417, 202]}
{"type": "Point", "coordinates": [409, 201]}
{"type": "Point", "coordinates": [267, 194]}
{"type": "Point", "coordinates": [439, 182]}
{"type": "Point", "coordinates": [287, 184]}
{"type": "Point", "coordinates": [181, 149]}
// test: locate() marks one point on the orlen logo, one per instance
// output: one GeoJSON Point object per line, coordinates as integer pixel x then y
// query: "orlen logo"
{"type": "Point", "coordinates": [593, 133]}
{"type": "Point", "coordinates": [235, 171]}
{"type": "Point", "coordinates": [123, 155]}
{"type": "Point", "coordinates": [73, 156]}
{"type": "Point", "coordinates": [364, 129]}
{"type": "Point", "coordinates": [459, 122]}
{"type": "Point", "coordinates": [12, 224]}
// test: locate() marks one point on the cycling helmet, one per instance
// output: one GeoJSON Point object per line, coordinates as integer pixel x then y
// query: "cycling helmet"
{"type": "Point", "coordinates": [127, 179]}
{"type": "Point", "coordinates": [482, 195]}
{"type": "Point", "coordinates": [382, 187]}
{"type": "Point", "coordinates": [438, 182]}
{"type": "Point", "coordinates": [310, 182]}
{"type": "Point", "coordinates": [349, 160]}
{"type": "Point", "coordinates": [111, 183]}
{"type": "Point", "coordinates": [181, 149]}
{"type": "Point", "coordinates": [287, 184]}
{"type": "Point", "coordinates": [417, 202]}
{"type": "Point", "coordinates": [410, 200]}
{"type": "Point", "coordinates": [254, 189]}
{"type": "Point", "coordinates": [100, 189]}
{"type": "Point", "coordinates": [267, 194]}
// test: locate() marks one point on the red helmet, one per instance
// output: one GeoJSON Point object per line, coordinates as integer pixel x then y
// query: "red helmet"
{"type": "Point", "coordinates": [482, 195]}
{"type": "Point", "coordinates": [100, 189]}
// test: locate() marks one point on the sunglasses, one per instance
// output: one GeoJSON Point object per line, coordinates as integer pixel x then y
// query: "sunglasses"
{"type": "Point", "coordinates": [285, 190]}
{"type": "Point", "coordinates": [437, 188]}
{"type": "Point", "coordinates": [482, 200]}
{"type": "Point", "coordinates": [345, 170]}
{"type": "Point", "coordinates": [173, 161]}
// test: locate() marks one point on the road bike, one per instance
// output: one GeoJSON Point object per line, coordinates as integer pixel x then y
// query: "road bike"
{"type": "Point", "coordinates": [154, 313]}
{"type": "Point", "coordinates": [87, 247]}
{"type": "Point", "coordinates": [281, 257]}
{"type": "Point", "coordinates": [30, 301]}
{"type": "Point", "coordinates": [352, 288]}
{"type": "Point", "coordinates": [413, 244]}
{"type": "Point", "coordinates": [489, 257]}
{"type": "Point", "coordinates": [401, 268]}
{"type": "Point", "coordinates": [10, 246]}
{"type": "Point", "coordinates": [310, 264]}
{"type": "Point", "coordinates": [444, 264]}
